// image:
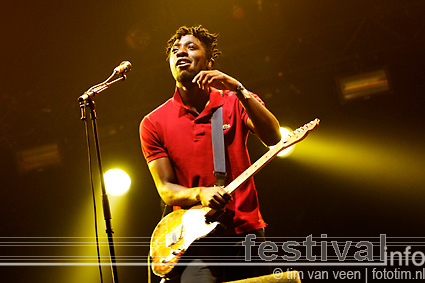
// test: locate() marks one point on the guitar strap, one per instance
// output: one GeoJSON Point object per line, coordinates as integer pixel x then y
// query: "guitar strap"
{"type": "Point", "coordinates": [219, 155]}
{"type": "Point", "coordinates": [217, 134]}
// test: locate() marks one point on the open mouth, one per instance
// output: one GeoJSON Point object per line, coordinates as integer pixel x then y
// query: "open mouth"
{"type": "Point", "coordinates": [183, 63]}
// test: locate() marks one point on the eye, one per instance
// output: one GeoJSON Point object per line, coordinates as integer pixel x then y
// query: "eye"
{"type": "Point", "coordinates": [192, 46]}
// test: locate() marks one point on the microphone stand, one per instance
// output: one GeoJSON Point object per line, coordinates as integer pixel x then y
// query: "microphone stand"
{"type": "Point", "coordinates": [85, 101]}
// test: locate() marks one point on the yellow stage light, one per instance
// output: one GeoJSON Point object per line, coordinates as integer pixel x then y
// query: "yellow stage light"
{"type": "Point", "coordinates": [286, 152]}
{"type": "Point", "coordinates": [117, 182]}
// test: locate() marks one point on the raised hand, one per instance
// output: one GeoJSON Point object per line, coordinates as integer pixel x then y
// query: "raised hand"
{"type": "Point", "coordinates": [216, 79]}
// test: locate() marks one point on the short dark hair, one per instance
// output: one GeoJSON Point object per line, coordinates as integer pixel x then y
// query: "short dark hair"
{"type": "Point", "coordinates": [209, 40]}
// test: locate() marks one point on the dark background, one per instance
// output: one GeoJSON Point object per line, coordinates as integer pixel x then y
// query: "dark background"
{"type": "Point", "coordinates": [360, 174]}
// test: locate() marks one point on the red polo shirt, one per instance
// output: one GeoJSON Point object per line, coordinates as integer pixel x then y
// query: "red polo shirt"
{"type": "Point", "coordinates": [174, 131]}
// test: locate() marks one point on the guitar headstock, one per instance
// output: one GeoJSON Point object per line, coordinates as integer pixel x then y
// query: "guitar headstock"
{"type": "Point", "coordinates": [301, 132]}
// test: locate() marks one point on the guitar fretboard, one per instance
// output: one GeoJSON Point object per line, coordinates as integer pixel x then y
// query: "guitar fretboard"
{"type": "Point", "coordinates": [254, 168]}
{"type": "Point", "coordinates": [292, 138]}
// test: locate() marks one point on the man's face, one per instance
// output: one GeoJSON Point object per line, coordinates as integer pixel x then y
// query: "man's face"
{"type": "Point", "coordinates": [187, 58]}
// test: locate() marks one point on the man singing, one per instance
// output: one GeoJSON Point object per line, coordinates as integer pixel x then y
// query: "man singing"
{"type": "Point", "coordinates": [176, 142]}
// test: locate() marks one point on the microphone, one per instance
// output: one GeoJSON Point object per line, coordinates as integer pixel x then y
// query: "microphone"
{"type": "Point", "coordinates": [124, 67]}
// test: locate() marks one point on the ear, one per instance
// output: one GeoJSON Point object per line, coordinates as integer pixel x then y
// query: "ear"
{"type": "Point", "coordinates": [210, 64]}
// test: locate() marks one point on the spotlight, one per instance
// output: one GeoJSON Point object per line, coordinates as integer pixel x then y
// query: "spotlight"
{"type": "Point", "coordinates": [117, 182]}
{"type": "Point", "coordinates": [284, 132]}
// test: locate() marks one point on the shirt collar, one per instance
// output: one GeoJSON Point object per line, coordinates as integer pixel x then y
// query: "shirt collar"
{"type": "Point", "coordinates": [216, 100]}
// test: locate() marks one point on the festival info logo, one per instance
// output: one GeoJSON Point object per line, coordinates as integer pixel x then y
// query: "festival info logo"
{"type": "Point", "coordinates": [341, 258]}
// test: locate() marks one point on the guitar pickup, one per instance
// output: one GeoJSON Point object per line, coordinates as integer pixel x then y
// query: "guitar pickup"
{"type": "Point", "coordinates": [174, 236]}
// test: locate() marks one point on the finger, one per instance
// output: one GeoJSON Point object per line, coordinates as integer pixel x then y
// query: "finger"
{"type": "Point", "coordinates": [196, 78]}
{"type": "Point", "coordinates": [216, 204]}
{"type": "Point", "coordinates": [200, 80]}
{"type": "Point", "coordinates": [210, 80]}
{"type": "Point", "coordinates": [199, 77]}
{"type": "Point", "coordinates": [227, 197]}
{"type": "Point", "coordinates": [224, 197]}
{"type": "Point", "coordinates": [199, 84]}
{"type": "Point", "coordinates": [204, 80]}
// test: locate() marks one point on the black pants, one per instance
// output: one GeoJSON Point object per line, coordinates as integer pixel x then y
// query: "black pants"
{"type": "Point", "coordinates": [217, 259]}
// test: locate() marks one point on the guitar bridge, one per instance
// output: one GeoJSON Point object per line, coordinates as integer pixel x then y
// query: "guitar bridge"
{"type": "Point", "coordinates": [172, 255]}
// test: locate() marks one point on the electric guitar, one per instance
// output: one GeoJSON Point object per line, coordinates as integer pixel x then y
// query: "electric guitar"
{"type": "Point", "coordinates": [179, 229]}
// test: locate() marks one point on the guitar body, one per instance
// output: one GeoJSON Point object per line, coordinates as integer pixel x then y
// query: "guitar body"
{"type": "Point", "coordinates": [179, 229]}
{"type": "Point", "coordinates": [174, 234]}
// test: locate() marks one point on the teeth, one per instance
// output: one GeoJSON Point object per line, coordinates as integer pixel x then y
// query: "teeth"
{"type": "Point", "coordinates": [183, 62]}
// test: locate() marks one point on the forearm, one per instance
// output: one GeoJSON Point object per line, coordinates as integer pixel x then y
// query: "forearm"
{"type": "Point", "coordinates": [177, 195]}
{"type": "Point", "coordinates": [167, 185]}
{"type": "Point", "coordinates": [263, 123]}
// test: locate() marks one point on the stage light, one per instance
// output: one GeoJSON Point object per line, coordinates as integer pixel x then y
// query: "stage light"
{"type": "Point", "coordinates": [284, 132]}
{"type": "Point", "coordinates": [363, 85]}
{"type": "Point", "coordinates": [117, 182]}
{"type": "Point", "coordinates": [363, 161]}
{"type": "Point", "coordinates": [38, 158]}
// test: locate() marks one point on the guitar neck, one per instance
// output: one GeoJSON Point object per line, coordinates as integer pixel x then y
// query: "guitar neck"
{"type": "Point", "coordinates": [294, 137]}
{"type": "Point", "coordinates": [254, 168]}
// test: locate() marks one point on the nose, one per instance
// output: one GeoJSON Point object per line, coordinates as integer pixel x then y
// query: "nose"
{"type": "Point", "coordinates": [181, 52]}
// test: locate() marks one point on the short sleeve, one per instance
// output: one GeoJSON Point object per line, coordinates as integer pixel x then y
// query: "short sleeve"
{"type": "Point", "coordinates": [152, 145]}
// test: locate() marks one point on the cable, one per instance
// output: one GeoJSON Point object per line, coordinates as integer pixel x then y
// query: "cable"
{"type": "Point", "coordinates": [149, 266]}
{"type": "Point", "coordinates": [93, 195]}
